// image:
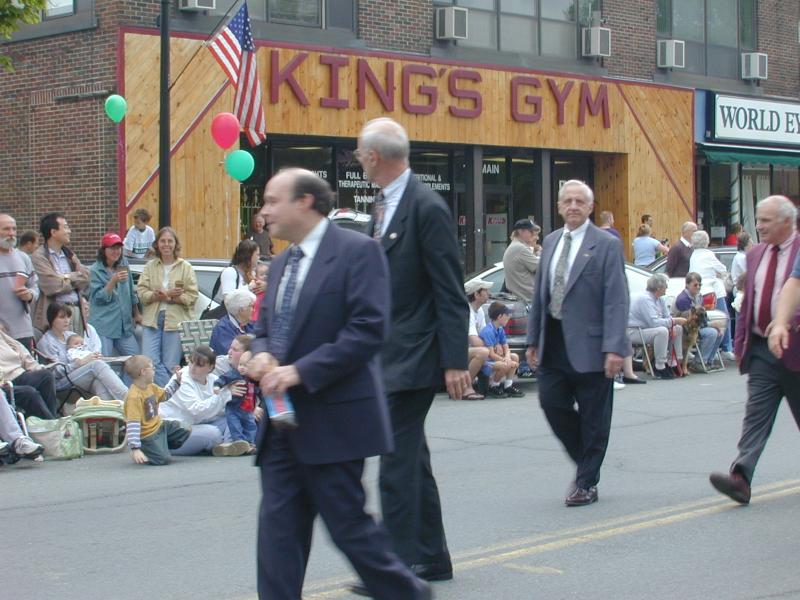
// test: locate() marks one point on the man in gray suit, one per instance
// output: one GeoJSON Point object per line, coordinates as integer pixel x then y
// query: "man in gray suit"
{"type": "Point", "coordinates": [576, 334]}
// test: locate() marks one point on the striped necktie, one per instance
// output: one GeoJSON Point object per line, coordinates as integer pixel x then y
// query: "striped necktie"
{"type": "Point", "coordinates": [560, 278]}
{"type": "Point", "coordinates": [378, 212]}
{"type": "Point", "coordinates": [281, 325]}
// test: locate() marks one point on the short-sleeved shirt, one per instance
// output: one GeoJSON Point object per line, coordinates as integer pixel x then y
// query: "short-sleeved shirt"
{"type": "Point", "coordinates": [139, 242]}
{"type": "Point", "coordinates": [644, 250]}
{"type": "Point", "coordinates": [492, 335]}
{"type": "Point", "coordinates": [477, 321]}
{"type": "Point", "coordinates": [796, 268]}
{"type": "Point", "coordinates": [142, 405]}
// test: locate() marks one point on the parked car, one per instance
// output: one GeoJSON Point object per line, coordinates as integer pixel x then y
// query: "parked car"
{"type": "Point", "coordinates": [206, 270]}
{"type": "Point", "coordinates": [348, 218]}
{"type": "Point", "coordinates": [516, 330]}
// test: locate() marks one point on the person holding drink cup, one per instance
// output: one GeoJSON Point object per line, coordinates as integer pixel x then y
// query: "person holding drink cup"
{"type": "Point", "coordinates": [114, 307]}
{"type": "Point", "coordinates": [18, 284]}
{"type": "Point", "coordinates": [167, 290]}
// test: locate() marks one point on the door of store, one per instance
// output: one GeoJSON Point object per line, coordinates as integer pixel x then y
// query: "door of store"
{"type": "Point", "coordinates": [496, 203]}
{"type": "Point", "coordinates": [566, 167]}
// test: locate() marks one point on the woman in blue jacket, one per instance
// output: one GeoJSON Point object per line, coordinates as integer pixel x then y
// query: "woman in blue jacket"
{"type": "Point", "coordinates": [114, 307]}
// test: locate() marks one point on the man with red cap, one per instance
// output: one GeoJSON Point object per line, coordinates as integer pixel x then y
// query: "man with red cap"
{"type": "Point", "coordinates": [113, 304]}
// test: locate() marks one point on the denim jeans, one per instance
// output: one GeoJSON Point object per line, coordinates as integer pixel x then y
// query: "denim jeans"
{"type": "Point", "coordinates": [204, 437]}
{"type": "Point", "coordinates": [726, 345]}
{"type": "Point", "coordinates": [241, 424]}
{"type": "Point", "coordinates": [709, 343]}
{"type": "Point", "coordinates": [125, 346]}
{"type": "Point", "coordinates": [163, 348]}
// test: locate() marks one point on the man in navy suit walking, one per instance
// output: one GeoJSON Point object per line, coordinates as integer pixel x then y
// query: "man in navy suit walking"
{"type": "Point", "coordinates": [322, 324]}
{"type": "Point", "coordinates": [576, 334]}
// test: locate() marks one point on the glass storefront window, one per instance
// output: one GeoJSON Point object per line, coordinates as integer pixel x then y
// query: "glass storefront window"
{"type": "Point", "coordinates": [786, 181]}
{"type": "Point", "coordinates": [352, 188]}
{"type": "Point", "coordinates": [523, 187]}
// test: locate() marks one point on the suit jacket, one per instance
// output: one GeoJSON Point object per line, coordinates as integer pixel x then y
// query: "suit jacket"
{"type": "Point", "coordinates": [595, 308]}
{"type": "Point", "coordinates": [430, 314]}
{"type": "Point", "coordinates": [744, 325]}
{"type": "Point", "coordinates": [339, 325]}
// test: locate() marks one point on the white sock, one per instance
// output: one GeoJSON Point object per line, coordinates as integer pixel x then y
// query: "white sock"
{"type": "Point", "coordinates": [509, 383]}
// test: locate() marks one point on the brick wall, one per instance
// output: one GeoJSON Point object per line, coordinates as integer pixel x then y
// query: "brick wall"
{"type": "Point", "coordinates": [405, 25]}
{"type": "Point", "coordinates": [633, 37]}
{"type": "Point", "coordinates": [777, 36]}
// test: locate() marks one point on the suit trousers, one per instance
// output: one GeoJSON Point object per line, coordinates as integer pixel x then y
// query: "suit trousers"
{"type": "Point", "coordinates": [412, 511]}
{"type": "Point", "coordinates": [768, 383]}
{"type": "Point", "coordinates": [583, 432]}
{"type": "Point", "coordinates": [293, 494]}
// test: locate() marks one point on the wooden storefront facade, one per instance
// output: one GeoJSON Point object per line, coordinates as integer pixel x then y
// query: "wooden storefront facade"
{"type": "Point", "coordinates": [636, 138]}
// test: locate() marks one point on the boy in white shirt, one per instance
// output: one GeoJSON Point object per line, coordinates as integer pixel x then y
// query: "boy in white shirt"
{"type": "Point", "coordinates": [140, 237]}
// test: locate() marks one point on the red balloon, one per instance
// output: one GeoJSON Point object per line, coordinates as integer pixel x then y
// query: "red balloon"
{"type": "Point", "coordinates": [225, 130]}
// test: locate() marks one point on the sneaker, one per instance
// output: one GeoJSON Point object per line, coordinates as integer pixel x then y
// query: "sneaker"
{"type": "Point", "coordinates": [237, 448]}
{"type": "Point", "coordinates": [665, 373]}
{"type": "Point", "coordinates": [5, 449]}
{"type": "Point", "coordinates": [729, 356]}
{"type": "Point", "coordinates": [715, 365]}
{"type": "Point", "coordinates": [618, 385]}
{"type": "Point", "coordinates": [514, 392]}
{"type": "Point", "coordinates": [495, 391]}
{"type": "Point", "coordinates": [27, 448]}
{"type": "Point", "coordinates": [696, 367]}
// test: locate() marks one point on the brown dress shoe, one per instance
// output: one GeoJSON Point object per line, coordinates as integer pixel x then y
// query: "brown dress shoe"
{"type": "Point", "coordinates": [733, 485]}
{"type": "Point", "coordinates": [582, 496]}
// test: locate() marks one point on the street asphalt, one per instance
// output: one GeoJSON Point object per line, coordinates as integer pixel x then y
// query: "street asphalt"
{"type": "Point", "coordinates": [102, 527]}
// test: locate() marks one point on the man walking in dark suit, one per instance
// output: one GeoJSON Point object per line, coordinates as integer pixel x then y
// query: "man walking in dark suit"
{"type": "Point", "coordinates": [576, 334]}
{"type": "Point", "coordinates": [322, 323]}
{"type": "Point", "coordinates": [770, 378]}
{"type": "Point", "coordinates": [428, 338]}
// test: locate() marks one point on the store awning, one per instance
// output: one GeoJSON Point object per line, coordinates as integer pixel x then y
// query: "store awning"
{"type": "Point", "coordinates": [750, 155]}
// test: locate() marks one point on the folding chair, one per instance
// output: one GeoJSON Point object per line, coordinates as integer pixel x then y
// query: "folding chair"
{"type": "Point", "coordinates": [718, 356]}
{"type": "Point", "coordinates": [68, 395]}
{"type": "Point", "coordinates": [8, 388]}
{"type": "Point", "coordinates": [643, 345]}
{"type": "Point", "coordinates": [194, 333]}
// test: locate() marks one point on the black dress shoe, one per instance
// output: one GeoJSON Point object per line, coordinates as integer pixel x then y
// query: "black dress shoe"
{"type": "Point", "coordinates": [632, 380]}
{"type": "Point", "coordinates": [361, 590]}
{"type": "Point", "coordinates": [582, 497]}
{"type": "Point", "coordinates": [441, 571]}
{"type": "Point", "coordinates": [665, 373]}
{"type": "Point", "coordinates": [733, 485]}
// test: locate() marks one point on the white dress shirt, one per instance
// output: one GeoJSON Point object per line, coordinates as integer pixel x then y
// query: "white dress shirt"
{"type": "Point", "coordinates": [392, 194]}
{"type": "Point", "coordinates": [309, 246]}
{"type": "Point", "coordinates": [577, 239]}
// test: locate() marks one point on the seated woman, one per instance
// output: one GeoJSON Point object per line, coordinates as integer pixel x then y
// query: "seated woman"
{"type": "Point", "coordinates": [89, 372]}
{"type": "Point", "coordinates": [196, 405]}
{"type": "Point", "coordinates": [239, 304]}
{"type": "Point", "coordinates": [706, 264]}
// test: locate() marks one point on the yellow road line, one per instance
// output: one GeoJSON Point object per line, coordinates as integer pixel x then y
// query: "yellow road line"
{"type": "Point", "coordinates": [534, 570]}
{"type": "Point", "coordinates": [505, 552]}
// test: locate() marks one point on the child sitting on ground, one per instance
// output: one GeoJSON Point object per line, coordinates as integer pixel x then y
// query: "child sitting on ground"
{"type": "Point", "coordinates": [239, 412]}
{"type": "Point", "coordinates": [149, 438]}
{"type": "Point", "coordinates": [502, 364]}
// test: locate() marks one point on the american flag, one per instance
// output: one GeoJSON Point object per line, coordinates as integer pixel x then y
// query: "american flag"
{"type": "Point", "coordinates": [234, 50]}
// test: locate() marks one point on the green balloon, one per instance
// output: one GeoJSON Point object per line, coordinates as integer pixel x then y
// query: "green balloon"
{"type": "Point", "coordinates": [239, 165]}
{"type": "Point", "coordinates": [116, 107]}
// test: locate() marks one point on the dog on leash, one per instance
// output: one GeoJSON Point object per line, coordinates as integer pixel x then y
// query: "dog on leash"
{"type": "Point", "coordinates": [695, 319]}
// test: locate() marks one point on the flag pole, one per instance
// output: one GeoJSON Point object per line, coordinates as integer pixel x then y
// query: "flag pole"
{"type": "Point", "coordinates": [164, 212]}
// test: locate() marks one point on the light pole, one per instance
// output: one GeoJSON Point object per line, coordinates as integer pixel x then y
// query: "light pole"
{"type": "Point", "coordinates": [163, 125]}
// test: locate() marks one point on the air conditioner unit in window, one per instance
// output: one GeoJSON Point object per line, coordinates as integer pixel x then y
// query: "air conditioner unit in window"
{"type": "Point", "coordinates": [754, 65]}
{"type": "Point", "coordinates": [596, 41]}
{"type": "Point", "coordinates": [197, 5]}
{"type": "Point", "coordinates": [671, 54]}
{"type": "Point", "coordinates": [451, 23]}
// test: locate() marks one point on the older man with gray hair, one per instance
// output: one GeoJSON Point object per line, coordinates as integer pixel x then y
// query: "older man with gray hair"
{"type": "Point", "coordinates": [649, 322]}
{"type": "Point", "coordinates": [681, 251]}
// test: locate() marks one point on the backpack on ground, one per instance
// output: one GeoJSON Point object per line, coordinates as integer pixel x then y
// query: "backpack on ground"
{"type": "Point", "coordinates": [61, 438]}
{"type": "Point", "coordinates": [102, 425]}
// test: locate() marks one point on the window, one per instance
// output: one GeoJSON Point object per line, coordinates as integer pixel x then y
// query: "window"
{"type": "Point", "coordinates": [323, 14]}
{"type": "Point", "coordinates": [539, 27]}
{"type": "Point", "coordinates": [716, 32]}
{"type": "Point", "coordinates": [58, 8]}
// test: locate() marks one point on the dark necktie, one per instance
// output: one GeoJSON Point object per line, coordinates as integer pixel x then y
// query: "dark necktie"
{"type": "Point", "coordinates": [281, 325]}
{"type": "Point", "coordinates": [378, 211]}
{"type": "Point", "coordinates": [765, 308]}
{"type": "Point", "coordinates": [559, 277]}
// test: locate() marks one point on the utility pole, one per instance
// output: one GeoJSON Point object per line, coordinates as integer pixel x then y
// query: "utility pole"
{"type": "Point", "coordinates": [164, 213]}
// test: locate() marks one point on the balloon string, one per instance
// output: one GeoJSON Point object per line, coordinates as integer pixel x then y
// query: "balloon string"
{"type": "Point", "coordinates": [216, 28]}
